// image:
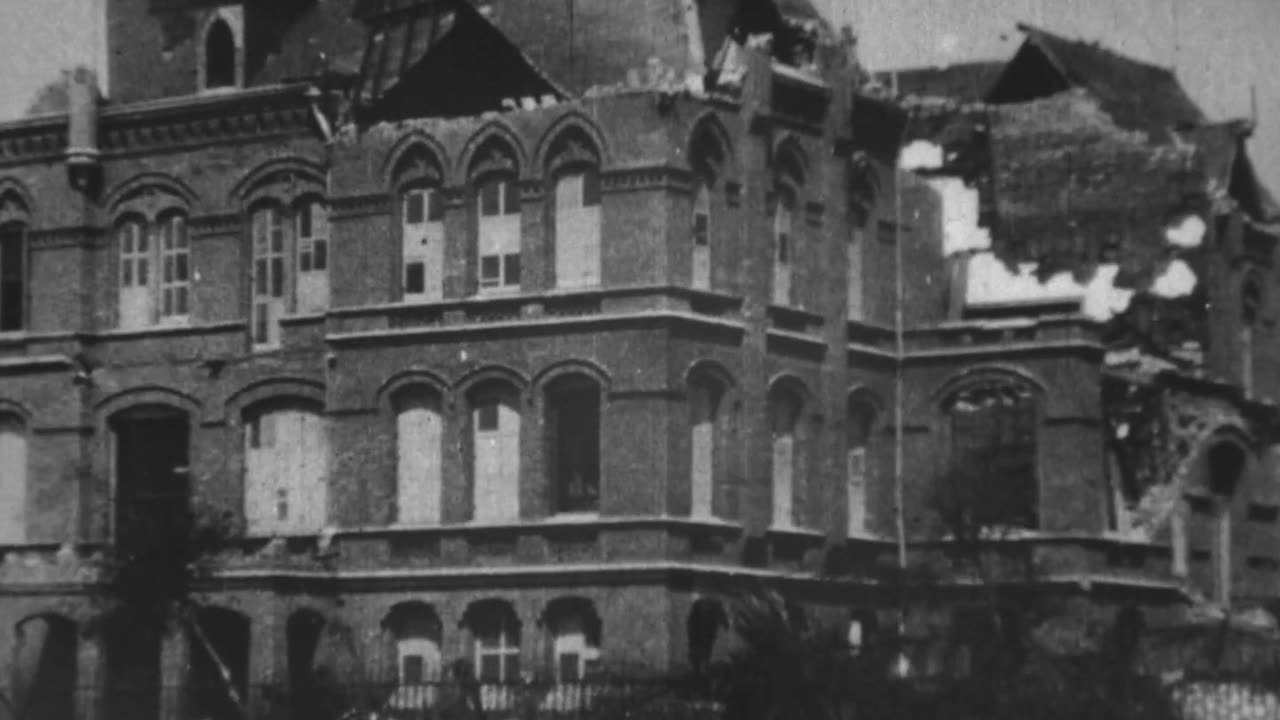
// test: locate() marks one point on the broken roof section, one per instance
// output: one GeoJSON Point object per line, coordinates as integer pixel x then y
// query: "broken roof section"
{"type": "Point", "coordinates": [423, 58]}
{"type": "Point", "coordinates": [963, 82]}
{"type": "Point", "coordinates": [1137, 95]}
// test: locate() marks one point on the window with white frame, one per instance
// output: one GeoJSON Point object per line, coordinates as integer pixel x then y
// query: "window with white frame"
{"type": "Point", "coordinates": [419, 445]}
{"type": "Point", "coordinates": [498, 229]}
{"type": "Point", "coordinates": [577, 226]}
{"type": "Point", "coordinates": [268, 274]}
{"type": "Point", "coordinates": [311, 230]}
{"type": "Point", "coordinates": [422, 242]}
{"type": "Point", "coordinates": [496, 649]}
{"type": "Point", "coordinates": [13, 479]}
{"type": "Point", "coordinates": [286, 469]}
{"type": "Point", "coordinates": [575, 643]}
{"type": "Point", "coordinates": [784, 411]}
{"type": "Point", "coordinates": [148, 296]}
{"type": "Point", "coordinates": [495, 457]}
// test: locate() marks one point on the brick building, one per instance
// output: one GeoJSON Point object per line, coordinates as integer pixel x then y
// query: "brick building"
{"type": "Point", "coordinates": [520, 333]}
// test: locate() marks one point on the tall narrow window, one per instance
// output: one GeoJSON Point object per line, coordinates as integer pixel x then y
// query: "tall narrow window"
{"type": "Point", "coordinates": [495, 457]}
{"type": "Point", "coordinates": [853, 269]}
{"type": "Point", "coordinates": [152, 484]}
{"type": "Point", "coordinates": [269, 275]}
{"type": "Point", "coordinates": [994, 474]}
{"type": "Point", "coordinates": [417, 633]}
{"type": "Point", "coordinates": [705, 398]}
{"type": "Point", "coordinates": [859, 420]}
{"type": "Point", "coordinates": [13, 277]}
{"type": "Point", "coordinates": [286, 470]}
{"type": "Point", "coordinates": [573, 423]}
{"type": "Point", "coordinates": [784, 206]}
{"type": "Point", "coordinates": [311, 230]}
{"type": "Point", "coordinates": [136, 306]}
{"type": "Point", "coordinates": [1250, 304]}
{"type": "Point", "coordinates": [784, 411]}
{"type": "Point", "coordinates": [499, 235]}
{"type": "Point", "coordinates": [13, 479]}
{"type": "Point", "coordinates": [701, 233]}
{"type": "Point", "coordinates": [423, 244]}
{"type": "Point", "coordinates": [219, 55]}
{"type": "Point", "coordinates": [1226, 469]}
{"type": "Point", "coordinates": [43, 681]}
{"type": "Point", "coordinates": [495, 633]}
{"type": "Point", "coordinates": [577, 225]}
{"type": "Point", "coordinates": [419, 442]}
{"type": "Point", "coordinates": [175, 266]}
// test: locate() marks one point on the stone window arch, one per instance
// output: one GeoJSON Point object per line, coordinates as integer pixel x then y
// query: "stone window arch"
{"type": "Point", "coordinates": [708, 161]}
{"type": "Point", "coordinates": [221, 59]}
{"type": "Point", "coordinates": [494, 175]}
{"type": "Point", "coordinates": [991, 478]}
{"type": "Point", "coordinates": [574, 168]}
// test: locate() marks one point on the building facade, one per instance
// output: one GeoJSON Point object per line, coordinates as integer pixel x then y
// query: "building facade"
{"type": "Point", "coordinates": [520, 333]}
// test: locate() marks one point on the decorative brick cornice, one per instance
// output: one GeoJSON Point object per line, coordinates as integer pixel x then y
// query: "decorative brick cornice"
{"type": "Point", "coordinates": [213, 225]}
{"type": "Point", "coordinates": [358, 206]}
{"type": "Point", "coordinates": [646, 178]}
{"type": "Point", "coordinates": [66, 237]}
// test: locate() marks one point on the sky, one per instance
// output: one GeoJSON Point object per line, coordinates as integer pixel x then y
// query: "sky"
{"type": "Point", "coordinates": [1219, 48]}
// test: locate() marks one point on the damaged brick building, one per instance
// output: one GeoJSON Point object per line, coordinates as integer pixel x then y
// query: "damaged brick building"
{"type": "Point", "coordinates": [525, 332]}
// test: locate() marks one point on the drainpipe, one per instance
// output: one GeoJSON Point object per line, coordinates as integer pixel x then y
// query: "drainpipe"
{"type": "Point", "coordinates": [82, 129]}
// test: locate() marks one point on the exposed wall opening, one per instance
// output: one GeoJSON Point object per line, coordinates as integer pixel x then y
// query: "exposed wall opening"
{"type": "Point", "coordinates": [44, 668]}
{"type": "Point", "coordinates": [992, 479]}
{"type": "Point", "coordinates": [209, 692]}
{"type": "Point", "coordinates": [152, 487]}
{"type": "Point", "coordinates": [573, 438]}
{"type": "Point", "coordinates": [707, 620]}
{"type": "Point", "coordinates": [302, 638]}
{"type": "Point", "coordinates": [133, 678]}
{"type": "Point", "coordinates": [219, 55]}
{"type": "Point", "coordinates": [860, 419]}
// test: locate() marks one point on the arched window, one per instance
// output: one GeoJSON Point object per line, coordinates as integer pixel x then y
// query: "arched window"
{"type": "Point", "coordinates": [419, 446]}
{"type": "Point", "coordinates": [311, 230]}
{"type": "Point", "coordinates": [416, 631]}
{"type": "Point", "coordinates": [423, 243]}
{"type": "Point", "coordinates": [783, 209]}
{"type": "Point", "coordinates": [706, 158]}
{"type": "Point", "coordinates": [707, 619]}
{"type": "Point", "coordinates": [44, 668]}
{"type": "Point", "coordinates": [155, 270]}
{"type": "Point", "coordinates": [13, 276]}
{"type": "Point", "coordinates": [1227, 462]}
{"type": "Point", "coordinates": [495, 451]}
{"type": "Point", "coordinates": [859, 421]}
{"type": "Point", "coordinates": [993, 478]}
{"type": "Point", "coordinates": [152, 480]}
{"type": "Point", "coordinates": [219, 56]}
{"type": "Point", "coordinates": [498, 225]}
{"type": "Point", "coordinates": [574, 627]}
{"type": "Point", "coordinates": [706, 399]}
{"type": "Point", "coordinates": [286, 468]}
{"type": "Point", "coordinates": [495, 649]}
{"type": "Point", "coordinates": [269, 274]}
{"type": "Point", "coordinates": [573, 439]}
{"type": "Point", "coordinates": [785, 406]}
{"type": "Point", "coordinates": [577, 226]}
{"type": "Point", "coordinates": [13, 479]}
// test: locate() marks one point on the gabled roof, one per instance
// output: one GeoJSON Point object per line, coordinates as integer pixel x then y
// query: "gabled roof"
{"type": "Point", "coordinates": [426, 64]}
{"type": "Point", "coordinates": [1228, 169]}
{"type": "Point", "coordinates": [1137, 95]}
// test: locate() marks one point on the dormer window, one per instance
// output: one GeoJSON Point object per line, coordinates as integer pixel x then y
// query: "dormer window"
{"type": "Point", "coordinates": [220, 59]}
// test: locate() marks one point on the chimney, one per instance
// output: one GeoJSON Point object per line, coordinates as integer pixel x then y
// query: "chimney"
{"type": "Point", "coordinates": [82, 128]}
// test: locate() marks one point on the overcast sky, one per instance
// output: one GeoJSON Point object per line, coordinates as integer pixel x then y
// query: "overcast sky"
{"type": "Point", "coordinates": [1219, 47]}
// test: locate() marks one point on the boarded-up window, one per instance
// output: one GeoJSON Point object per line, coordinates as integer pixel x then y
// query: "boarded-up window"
{"type": "Point", "coordinates": [422, 237]}
{"type": "Point", "coordinates": [573, 426]}
{"type": "Point", "coordinates": [419, 438]}
{"type": "Point", "coordinates": [701, 235]}
{"type": "Point", "coordinates": [499, 235]}
{"type": "Point", "coordinates": [575, 640]}
{"type": "Point", "coordinates": [311, 228]}
{"type": "Point", "coordinates": [270, 275]}
{"type": "Point", "coordinates": [416, 631]}
{"type": "Point", "coordinates": [784, 413]}
{"type": "Point", "coordinates": [495, 425]}
{"type": "Point", "coordinates": [705, 398]}
{"type": "Point", "coordinates": [286, 470]}
{"type": "Point", "coordinates": [783, 209]}
{"type": "Point", "coordinates": [577, 224]}
{"type": "Point", "coordinates": [13, 480]}
{"type": "Point", "coordinates": [136, 307]}
{"type": "Point", "coordinates": [993, 455]}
